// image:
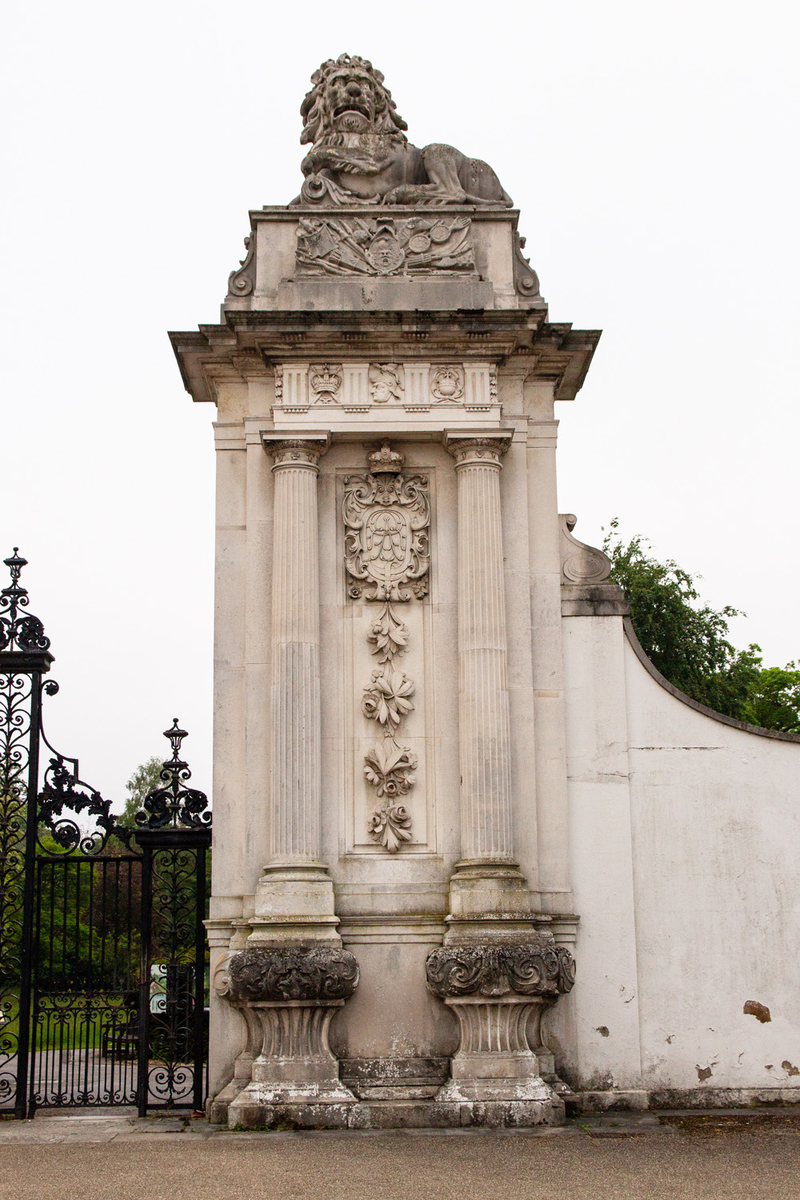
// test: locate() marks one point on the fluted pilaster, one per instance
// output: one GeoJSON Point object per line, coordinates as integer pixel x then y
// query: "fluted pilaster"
{"type": "Point", "coordinates": [294, 897]}
{"type": "Point", "coordinates": [296, 721]}
{"type": "Point", "coordinates": [484, 730]}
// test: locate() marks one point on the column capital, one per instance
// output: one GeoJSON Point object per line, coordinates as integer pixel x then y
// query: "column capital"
{"type": "Point", "coordinates": [300, 451]}
{"type": "Point", "coordinates": [478, 449]}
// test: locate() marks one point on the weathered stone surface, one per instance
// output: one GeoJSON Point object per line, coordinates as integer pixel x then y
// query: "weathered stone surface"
{"type": "Point", "coordinates": [360, 154]}
{"type": "Point", "coordinates": [529, 967]}
{"type": "Point", "coordinates": [282, 973]}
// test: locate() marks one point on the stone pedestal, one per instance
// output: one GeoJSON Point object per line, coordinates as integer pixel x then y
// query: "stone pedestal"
{"type": "Point", "coordinates": [380, 662]}
{"type": "Point", "coordinates": [288, 998]}
{"type": "Point", "coordinates": [494, 1060]}
{"type": "Point", "coordinates": [496, 991]}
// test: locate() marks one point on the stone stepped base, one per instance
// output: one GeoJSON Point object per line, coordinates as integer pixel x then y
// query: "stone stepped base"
{"type": "Point", "coordinates": [401, 1114]}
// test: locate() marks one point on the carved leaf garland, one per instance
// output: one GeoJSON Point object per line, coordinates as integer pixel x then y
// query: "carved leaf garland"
{"type": "Point", "coordinates": [388, 634]}
{"type": "Point", "coordinates": [388, 700]}
{"type": "Point", "coordinates": [389, 766]}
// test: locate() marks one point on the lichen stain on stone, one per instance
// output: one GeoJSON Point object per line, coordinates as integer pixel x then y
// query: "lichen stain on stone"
{"type": "Point", "coordinates": [760, 1011]}
{"type": "Point", "coordinates": [602, 1030]}
{"type": "Point", "coordinates": [703, 1073]}
{"type": "Point", "coordinates": [790, 1068]}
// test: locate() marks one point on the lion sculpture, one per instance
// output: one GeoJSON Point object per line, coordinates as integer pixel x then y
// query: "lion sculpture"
{"type": "Point", "coordinates": [360, 154]}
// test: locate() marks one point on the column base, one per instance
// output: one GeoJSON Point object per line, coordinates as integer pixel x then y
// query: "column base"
{"type": "Point", "coordinates": [288, 996]}
{"type": "Point", "coordinates": [496, 989]}
{"type": "Point", "coordinates": [494, 1060]}
{"type": "Point", "coordinates": [295, 1065]}
{"type": "Point", "coordinates": [488, 897]}
{"type": "Point", "coordinates": [294, 902]}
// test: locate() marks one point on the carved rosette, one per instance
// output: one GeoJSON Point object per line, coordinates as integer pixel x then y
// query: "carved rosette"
{"type": "Point", "coordinates": [386, 516]}
{"type": "Point", "coordinates": [279, 974]}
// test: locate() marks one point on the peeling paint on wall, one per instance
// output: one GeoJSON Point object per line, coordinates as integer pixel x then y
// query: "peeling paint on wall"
{"type": "Point", "coordinates": [753, 1009]}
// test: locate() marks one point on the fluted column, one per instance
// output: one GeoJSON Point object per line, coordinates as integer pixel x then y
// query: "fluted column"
{"type": "Point", "coordinates": [295, 894]}
{"type": "Point", "coordinates": [487, 880]}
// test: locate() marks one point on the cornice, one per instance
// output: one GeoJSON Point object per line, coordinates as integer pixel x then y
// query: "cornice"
{"type": "Point", "coordinates": [249, 343]}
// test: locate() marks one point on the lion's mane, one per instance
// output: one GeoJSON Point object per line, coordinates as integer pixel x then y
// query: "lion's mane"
{"type": "Point", "coordinates": [318, 123]}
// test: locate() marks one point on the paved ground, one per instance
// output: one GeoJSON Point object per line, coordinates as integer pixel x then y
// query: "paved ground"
{"type": "Point", "coordinates": [724, 1156]}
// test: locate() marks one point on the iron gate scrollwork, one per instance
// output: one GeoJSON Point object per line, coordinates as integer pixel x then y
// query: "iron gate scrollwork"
{"type": "Point", "coordinates": [102, 944]}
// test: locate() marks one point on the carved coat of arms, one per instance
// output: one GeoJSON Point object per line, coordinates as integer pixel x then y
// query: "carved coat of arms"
{"type": "Point", "coordinates": [386, 517]}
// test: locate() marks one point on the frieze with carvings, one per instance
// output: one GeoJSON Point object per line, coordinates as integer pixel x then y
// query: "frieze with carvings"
{"type": "Point", "coordinates": [385, 246]}
{"type": "Point", "coordinates": [386, 517]}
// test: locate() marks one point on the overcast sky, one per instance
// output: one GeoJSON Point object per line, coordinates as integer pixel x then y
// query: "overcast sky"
{"type": "Point", "coordinates": [652, 149]}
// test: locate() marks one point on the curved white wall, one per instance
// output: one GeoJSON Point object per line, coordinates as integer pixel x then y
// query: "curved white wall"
{"type": "Point", "coordinates": [685, 833]}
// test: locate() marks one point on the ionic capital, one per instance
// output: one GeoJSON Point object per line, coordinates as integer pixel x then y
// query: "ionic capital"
{"type": "Point", "coordinates": [478, 451]}
{"type": "Point", "coordinates": [296, 452]}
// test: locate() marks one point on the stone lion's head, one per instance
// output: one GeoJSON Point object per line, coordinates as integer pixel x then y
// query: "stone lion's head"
{"type": "Point", "coordinates": [348, 96]}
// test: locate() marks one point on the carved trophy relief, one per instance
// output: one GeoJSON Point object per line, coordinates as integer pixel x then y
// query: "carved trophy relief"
{"type": "Point", "coordinates": [384, 246]}
{"type": "Point", "coordinates": [387, 559]}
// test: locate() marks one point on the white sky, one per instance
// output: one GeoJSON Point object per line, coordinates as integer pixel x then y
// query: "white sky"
{"type": "Point", "coordinates": [652, 149]}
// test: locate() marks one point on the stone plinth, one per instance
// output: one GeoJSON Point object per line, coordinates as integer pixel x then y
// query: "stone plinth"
{"type": "Point", "coordinates": [496, 990]}
{"type": "Point", "coordinates": [288, 997]}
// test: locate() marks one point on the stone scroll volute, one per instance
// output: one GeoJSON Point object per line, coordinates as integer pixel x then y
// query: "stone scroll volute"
{"type": "Point", "coordinates": [387, 560]}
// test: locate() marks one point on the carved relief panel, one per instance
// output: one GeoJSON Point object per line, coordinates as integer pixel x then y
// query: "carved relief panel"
{"type": "Point", "coordinates": [385, 245]}
{"type": "Point", "coordinates": [386, 517]}
{"type": "Point", "coordinates": [464, 390]}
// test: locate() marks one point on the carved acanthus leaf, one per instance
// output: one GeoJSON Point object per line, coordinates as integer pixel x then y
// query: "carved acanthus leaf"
{"type": "Point", "coordinates": [389, 768]}
{"type": "Point", "coordinates": [388, 634]}
{"type": "Point", "coordinates": [318, 973]}
{"type": "Point", "coordinates": [391, 826]}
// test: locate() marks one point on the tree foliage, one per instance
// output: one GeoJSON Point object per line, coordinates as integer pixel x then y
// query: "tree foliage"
{"type": "Point", "coordinates": [688, 640]}
{"type": "Point", "coordinates": [145, 779]}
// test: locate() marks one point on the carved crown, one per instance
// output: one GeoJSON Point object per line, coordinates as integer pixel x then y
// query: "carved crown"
{"type": "Point", "coordinates": [385, 461]}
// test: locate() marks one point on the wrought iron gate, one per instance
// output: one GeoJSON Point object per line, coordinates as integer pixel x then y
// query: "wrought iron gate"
{"type": "Point", "coordinates": [102, 943]}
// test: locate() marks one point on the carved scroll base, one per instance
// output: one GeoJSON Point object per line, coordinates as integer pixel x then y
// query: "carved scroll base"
{"type": "Point", "coordinates": [496, 989]}
{"type": "Point", "coordinates": [287, 997]}
{"type": "Point", "coordinates": [494, 1060]}
{"type": "Point", "coordinates": [295, 1064]}
{"type": "Point", "coordinates": [217, 1109]}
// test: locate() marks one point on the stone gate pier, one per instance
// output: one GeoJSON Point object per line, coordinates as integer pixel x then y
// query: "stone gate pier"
{"type": "Point", "coordinates": [423, 802]}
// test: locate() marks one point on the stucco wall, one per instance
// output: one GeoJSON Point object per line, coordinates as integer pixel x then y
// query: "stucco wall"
{"type": "Point", "coordinates": [684, 833]}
